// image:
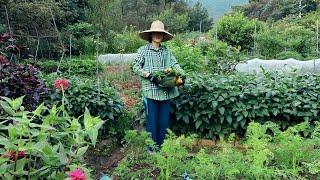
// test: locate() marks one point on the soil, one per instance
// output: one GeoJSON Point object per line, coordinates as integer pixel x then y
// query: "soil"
{"type": "Point", "coordinates": [128, 89]}
{"type": "Point", "coordinates": [104, 164]}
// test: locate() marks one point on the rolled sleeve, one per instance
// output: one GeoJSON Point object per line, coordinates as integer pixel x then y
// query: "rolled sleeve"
{"type": "Point", "coordinates": [138, 63]}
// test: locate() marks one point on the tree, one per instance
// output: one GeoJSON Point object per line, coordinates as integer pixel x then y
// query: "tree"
{"type": "Point", "coordinates": [199, 17]}
{"type": "Point", "coordinates": [278, 9]}
{"type": "Point", "coordinates": [175, 23]}
{"type": "Point", "coordinates": [237, 30]}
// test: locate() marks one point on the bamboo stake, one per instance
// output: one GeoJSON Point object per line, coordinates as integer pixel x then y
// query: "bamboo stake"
{"type": "Point", "coordinates": [97, 66]}
{"type": "Point", "coordinates": [59, 38]}
{"type": "Point", "coordinates": [318, 38]}
{"type": "Point", "coordinates": [70, 45]}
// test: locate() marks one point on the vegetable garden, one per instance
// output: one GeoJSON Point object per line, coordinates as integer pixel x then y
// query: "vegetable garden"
{"type": "Point", "coordinates": [66, 115]}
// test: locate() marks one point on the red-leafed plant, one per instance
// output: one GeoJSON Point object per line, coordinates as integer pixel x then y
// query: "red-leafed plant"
{"type": "Point", "coordinates": [19, 80]}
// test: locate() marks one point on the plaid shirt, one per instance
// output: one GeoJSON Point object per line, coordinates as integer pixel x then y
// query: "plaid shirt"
{"type": "Point", "coordinates": [151, 60]}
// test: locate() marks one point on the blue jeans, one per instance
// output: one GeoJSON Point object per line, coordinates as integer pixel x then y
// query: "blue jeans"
{"type": "Point", "coordinates": [158, 114]}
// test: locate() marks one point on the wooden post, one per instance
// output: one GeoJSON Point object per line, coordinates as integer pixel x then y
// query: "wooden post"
{"type": "Point", "coordinates": [216, 35]}
{"type": "Point", "coordinates": [35, 57]}
{"type": "Point", "coordinates": [97, 66]}
{"type": "Point", "coordinates": [254, 39]}
{"type": "Point", "coordinates": [317, 50]}
{"type": "Point", "coordinates": [318, 38]}
{"type": "Point", "coordinates": [70, 46]}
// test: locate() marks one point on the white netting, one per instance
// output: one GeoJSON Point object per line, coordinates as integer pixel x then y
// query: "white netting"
{"type": "Point", "coordinates": [256, 65]}
{"type": "Point", "coordinates": [117, 58]}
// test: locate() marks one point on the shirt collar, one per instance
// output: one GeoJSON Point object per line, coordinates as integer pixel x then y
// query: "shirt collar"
{"type": "Point", "coordinates": [151, 47]}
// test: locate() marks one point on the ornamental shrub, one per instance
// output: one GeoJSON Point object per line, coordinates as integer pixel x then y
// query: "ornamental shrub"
{"type": "Point", "coordinates": [101, 100]}
{"type": "Point", "coordinates": [22, 80]}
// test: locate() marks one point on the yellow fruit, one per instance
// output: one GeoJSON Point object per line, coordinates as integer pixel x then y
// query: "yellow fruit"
{"type": "Point", "coordinates": [179, 81]}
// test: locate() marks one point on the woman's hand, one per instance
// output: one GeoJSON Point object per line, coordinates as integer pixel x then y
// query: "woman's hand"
{"type": "Point", "coordinates": [167, 70]}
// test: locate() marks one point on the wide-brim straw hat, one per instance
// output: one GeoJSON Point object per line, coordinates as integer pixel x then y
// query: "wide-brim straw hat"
{"type": "Point", "coordinates": [156, 26]}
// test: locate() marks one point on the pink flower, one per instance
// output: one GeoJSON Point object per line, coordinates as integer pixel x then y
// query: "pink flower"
{"type": "Point", "coordinates": [77, 174]}
{"type": "Point", "coordinates": [12, 155]}
{"type": "Point", "coordinates": [61, 84]}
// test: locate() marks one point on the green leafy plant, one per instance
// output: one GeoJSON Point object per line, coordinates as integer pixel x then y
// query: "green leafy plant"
{"type": "Point", "coordinates": [44, 143]}
{"type": "Point", "coordinates": [100, 99]}
{"type": "Point", "coordinates": [80, 67]}
{"type": "Point", "coordinates": [221, 104]}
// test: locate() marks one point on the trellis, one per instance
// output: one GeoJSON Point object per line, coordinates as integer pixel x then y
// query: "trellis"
{"type": "Point", "coordinates": [61, 44]}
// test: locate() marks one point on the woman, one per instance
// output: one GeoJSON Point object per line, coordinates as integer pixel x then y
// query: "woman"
{"type": "Point", "coordinates": [152, 58]}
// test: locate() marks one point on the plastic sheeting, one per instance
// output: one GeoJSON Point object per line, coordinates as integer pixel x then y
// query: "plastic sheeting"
{"type": "Point", "coordinates": [116, 58]}
{"type": "Point", "coordinates": [257, 65]}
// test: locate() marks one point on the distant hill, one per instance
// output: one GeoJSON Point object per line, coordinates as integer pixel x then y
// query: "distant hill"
{"type": "Point", "coordinates": [217, 8]}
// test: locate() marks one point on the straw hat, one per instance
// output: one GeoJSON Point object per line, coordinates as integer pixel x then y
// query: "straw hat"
{"type": "Point", "coordinates": [156, 26]}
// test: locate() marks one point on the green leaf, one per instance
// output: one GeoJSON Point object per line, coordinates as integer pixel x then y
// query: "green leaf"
{"type": "Point", "coordinates": [242, 123]}
{"type": "Point", "coordinates": [81, 151]}
{"type": "Point", "coordinates": [198, 124]}
{"type": "Point", "coordinates": [20, 165]}
{"type": "Point", "coordinates": [7, 108]}
{"type": "Point", "coordinates": [239, 118]}
{"type": "Point", "coordinates": [218, 127]}
{"type": "Point", "coordinates": [39, 109]}
{"type": "Point", "coordinates": [17, 103]}
{"type": "Point", "coordinates": [3, 160]}
{"type": "Point", "coordinates": [185, 118]}
{"type": "Point", "coordinates": [229, 119]}
{"type": "Point", "coordinates": [221, 110]}
{"type": "Point", "coordinates": [245, 113]}
{"type": "Point", "coordinates": [3, 168]}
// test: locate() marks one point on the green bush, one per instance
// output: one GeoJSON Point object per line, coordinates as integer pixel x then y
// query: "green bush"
{"type": "Point", "coordinates": [222, 58]}
{"type": "Point", "coordinates": [101, 100]}
{"type": "Point", "coordinates": [80, 29]}
{"type": "Point", "coordinates": [237, 30]}
{"type": "Point", "coordinates": [128, 41]}
{"type": "Point", "coordinates": [189, 57]}
{"type": "Point", "coordinates": [285, 37]}
{"type": "Point", "coordinates": [221, 104]}
{"type": "Point", "coordinates": [45, 143]}
{"type": "Point", "coordinates": [289, 54]}
{"type": "Point", "coordinates": [282, 155]}
{"type": "Point", "coordinates": [80, 67]}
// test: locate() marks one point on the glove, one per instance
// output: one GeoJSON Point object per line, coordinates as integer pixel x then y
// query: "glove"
{"type": "Point", "coordinates": [153, 79]}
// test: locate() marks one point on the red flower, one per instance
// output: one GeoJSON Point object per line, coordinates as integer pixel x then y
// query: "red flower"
{"type": "Point", "coordinates": [3, 59]}
{"type": "Point", "coordinates": [61, 84]}
{"type": "Point", "coordinates": [12, 155]}
{"type": "Point", "coordinates": [77, 174]}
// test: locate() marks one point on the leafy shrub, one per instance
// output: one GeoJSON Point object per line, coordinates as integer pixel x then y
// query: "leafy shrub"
{"type": "Point", "coordinates": [237, 30]}
{"type": "Point", "coordinates": [80, 29]}
{"type": "Point", "coordinates": [259, 156]}
{"type": "Point", "coordinates": [285, 37]}
{"type": "Point", "coordinates": [221, 104]}
{"type": "Point", "coordinates": [223, 58]}
{"type": "Point", "coordinates": [22, 80]}
{"type": "Point", "coordinates": [128, 41]}
{"type": "Point", "coordinates": [47, 150]}
{"type": "Point", "coordinates": [80, 67]}
{"type": "Point", "coordinates": [189, 57]}
{"type": "Point", "coordinates": [101, 100]}
{"type": "Point", "coordinates": [289, 54]}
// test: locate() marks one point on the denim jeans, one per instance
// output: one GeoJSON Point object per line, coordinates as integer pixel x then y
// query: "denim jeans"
{"type": "Point", "coordinates": [158, 114]}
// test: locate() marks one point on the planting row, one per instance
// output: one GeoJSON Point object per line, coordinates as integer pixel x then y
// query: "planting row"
{"type": "Point", "coordinates": [220, 104]}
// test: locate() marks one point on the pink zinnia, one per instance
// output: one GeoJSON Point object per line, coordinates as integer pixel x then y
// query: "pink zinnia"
{"type": "Point", "coordinates": [77, 174]}
{"type": "Point", "coordinates": [12, 155]}
{"type": "Point", "coordinates": [61, 84]}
